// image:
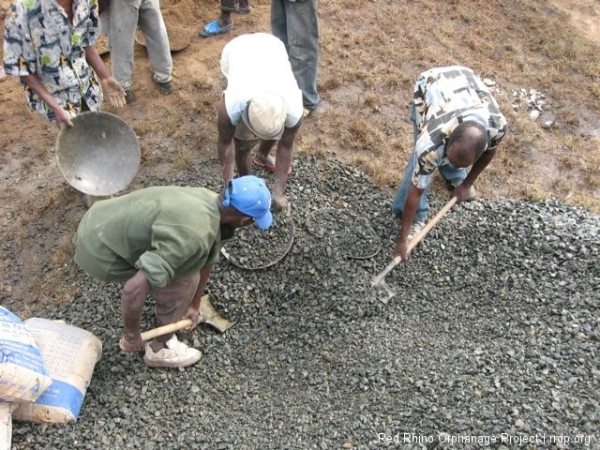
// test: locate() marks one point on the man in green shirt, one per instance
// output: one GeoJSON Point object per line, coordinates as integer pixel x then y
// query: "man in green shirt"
{"type": "Point", "coordinates": [163, 241]}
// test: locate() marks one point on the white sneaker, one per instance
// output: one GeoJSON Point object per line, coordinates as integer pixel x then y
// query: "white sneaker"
{"type": "Point", "coordinates": [414, 230]}
{"type": "Point", "coordinates": [176, 354]}
{"type": "Point", "coordinates": [472, 191]}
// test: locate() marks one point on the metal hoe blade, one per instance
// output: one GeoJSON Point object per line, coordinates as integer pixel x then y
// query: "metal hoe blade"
{"type": "Point", "coordinates": [389, 291]}
{"type": "Point", "coordinates": [378, 280]}
{"type": "Point", "coordinates": [210, 316]}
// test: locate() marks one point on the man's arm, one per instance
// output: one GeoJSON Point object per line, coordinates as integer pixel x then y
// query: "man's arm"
{"type": "Point", "coordinates": [283, 162]}
{"type": "Point", "coordinates": [226, 131]}
{"type": "Point", "coordinates": [193, 311]}
{"type": "Point", "coordinates": [62, 117]}
{"type": "Point", "coordinates": [418, 107]}
{"type": "Point", "coordinates": [133, 298]}
{"type": "Point", "coordinates": [112, 88]}
{"type": "Point", "coordinates": [408, 215]}
{"type": "Point", "coordinates": [462, 191]}
{"type": "Point", "coordinates": [20, 59]}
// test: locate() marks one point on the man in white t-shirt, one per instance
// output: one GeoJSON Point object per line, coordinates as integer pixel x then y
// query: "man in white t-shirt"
{"type": "Point", "coordinates": [261, 104]}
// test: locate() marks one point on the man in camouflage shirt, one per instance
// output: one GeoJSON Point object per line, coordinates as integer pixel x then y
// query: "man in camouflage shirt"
{"type": "Point", "coordinates": [457, 124]}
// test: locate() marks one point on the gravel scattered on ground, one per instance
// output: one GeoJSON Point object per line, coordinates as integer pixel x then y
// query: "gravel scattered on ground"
{"type": "Point", "coordinates": [491, 339]}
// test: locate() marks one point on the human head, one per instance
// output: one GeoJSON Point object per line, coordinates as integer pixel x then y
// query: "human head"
{"type": "Point", "coordinates": [466, 144]}
{"type": "Point", "coordinates": [265, 115]}
{"type": "Point", "coordinates": [250, 196]}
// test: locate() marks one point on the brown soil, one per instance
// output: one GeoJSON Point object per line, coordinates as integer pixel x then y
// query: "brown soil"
{"type": "Point", "coordinates": [371, 53]}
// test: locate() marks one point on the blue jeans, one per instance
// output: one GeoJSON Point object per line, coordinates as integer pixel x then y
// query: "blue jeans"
{"type": "Point", "coordinates": [450, 174]}
{"type": "Point", "coordinates": [295, 23]}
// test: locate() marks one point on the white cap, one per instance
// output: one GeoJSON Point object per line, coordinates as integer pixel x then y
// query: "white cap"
{"type": "Point", "coordinates": [265, 115]}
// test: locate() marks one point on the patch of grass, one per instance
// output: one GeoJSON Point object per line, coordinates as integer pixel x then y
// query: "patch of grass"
{"type": "Point", "coordinates": [534, 193]}
{"type": "Point", "coordinates": [361, 135]}
{"type": "Point", "coordinates": [560, 187]}
{"type": "Point", "coordinates": [591, 175]}
{"type": "Point", "coordinates": [569, 117]}
{"type": "Point", "coordinates": [371, 100]}
{"type": "Point", "coordinates": [329, 84]}
{"type": "Point", "coordinates": [585, 201]}
{"type": "Point", "coordinates": [142, 128]}
{"type": "Point", "coordinates": [185, 157]}
{"type": "Point", "coordinates": [52, 288]}
{"type": "Point", "coordinates": [64, 252]}
{"type": "Point", "coordinates": [203, 83]}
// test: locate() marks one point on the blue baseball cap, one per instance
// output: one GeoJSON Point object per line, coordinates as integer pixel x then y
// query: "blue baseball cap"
{"type": "Point", "coordinates": [250, 196]}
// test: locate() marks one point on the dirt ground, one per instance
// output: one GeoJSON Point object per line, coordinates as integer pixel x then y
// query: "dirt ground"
{"type": "Point", "coordinates": [371, 53]}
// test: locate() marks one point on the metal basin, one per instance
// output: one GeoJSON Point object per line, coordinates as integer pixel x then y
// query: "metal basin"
{"type": "Point", "coordinates": [99, 155]}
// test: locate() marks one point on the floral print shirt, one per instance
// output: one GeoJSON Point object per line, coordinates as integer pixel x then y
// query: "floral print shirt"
{"type": "Point", "coordinates": [40, 40]}
{"type": "Point", "coordinates": [443, 98]}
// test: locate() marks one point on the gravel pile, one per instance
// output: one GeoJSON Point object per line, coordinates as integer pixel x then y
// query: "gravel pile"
{"type": "Point", "coordinates": [258, 249]}
{"type": "Point", "coordinates": [491, 339]}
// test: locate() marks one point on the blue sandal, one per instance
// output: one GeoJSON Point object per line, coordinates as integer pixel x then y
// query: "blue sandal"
{"type": "Point", "coordinates": [213, 28]}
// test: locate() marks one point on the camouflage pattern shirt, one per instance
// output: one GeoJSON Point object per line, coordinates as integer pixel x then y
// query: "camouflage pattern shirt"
{"type": "Point", "coordinates": [443, 98]}
{"type": "Point", "coordinates": [40, 40]}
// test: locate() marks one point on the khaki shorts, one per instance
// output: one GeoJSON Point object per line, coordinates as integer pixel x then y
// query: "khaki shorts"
{"type": "Point", "coordinates": [173, 300]}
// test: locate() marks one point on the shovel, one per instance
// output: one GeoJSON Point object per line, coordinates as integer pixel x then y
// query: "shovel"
{"type": "Point", "coordinates": [378, 280]}
{"type": "Point", "coordinates": [208, 315]}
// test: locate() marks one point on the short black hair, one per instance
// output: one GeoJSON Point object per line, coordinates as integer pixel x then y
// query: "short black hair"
{"type": "Point", "coordinates": [470, 137]}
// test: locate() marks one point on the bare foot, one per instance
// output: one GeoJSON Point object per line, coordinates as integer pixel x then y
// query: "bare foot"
{"type": "Point", "coordinates": [269, 161]}
{"type": "Point", "coordinates": [280, 202]}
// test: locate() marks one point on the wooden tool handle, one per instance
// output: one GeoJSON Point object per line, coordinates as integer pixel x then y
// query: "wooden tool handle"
{"type": "Point", "coordinates": [421, 234]}
{"type": "Point", "coordinates": [385, 271]}
{"type": "Point", "coordinates": [170, 328]}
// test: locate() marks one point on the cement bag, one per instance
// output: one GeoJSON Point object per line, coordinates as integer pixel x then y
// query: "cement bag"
{"type": "Point", "coordinates": [70, 354]}
{"type": "Point", "coordinates": [5, 426]}
{"type": "Point", "coordinates": [23, 376]}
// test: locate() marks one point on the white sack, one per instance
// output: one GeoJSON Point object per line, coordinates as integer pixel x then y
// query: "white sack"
{"type": "Point", "coordinates": [23, 376]}
{"type": "Point", "coordinates": [69, 354]}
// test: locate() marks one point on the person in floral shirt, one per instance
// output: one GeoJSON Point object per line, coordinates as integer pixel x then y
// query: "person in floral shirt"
{"type": "Point", "coordinates": [49, 45]}
{"type": "Point", "coordinates": [457, 125]}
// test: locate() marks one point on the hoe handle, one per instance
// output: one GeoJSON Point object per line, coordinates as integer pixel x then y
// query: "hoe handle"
{"type": "Point", "coordinates": [169, 328]}
{"type": "Point", "coordinates": [427, 228]}
{"type": "Point", "coordinates": [420, 235]}
{"type": "Point", "coordinates": [379, 278]}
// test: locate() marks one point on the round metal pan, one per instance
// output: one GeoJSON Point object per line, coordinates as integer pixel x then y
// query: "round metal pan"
{"type": "Point", "coordinates": [99, 155]}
